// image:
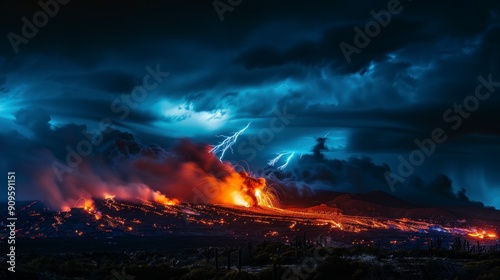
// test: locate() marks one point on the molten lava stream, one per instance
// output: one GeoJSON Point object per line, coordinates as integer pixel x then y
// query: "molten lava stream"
{"type": "Point", "coordinates": [482, 234]}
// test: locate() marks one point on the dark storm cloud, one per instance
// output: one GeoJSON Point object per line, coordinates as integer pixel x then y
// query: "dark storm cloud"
{"type": "Point", "coordinates": [327, 53]}
{"type": "Point", "coordinates": [56, 139]}
{"type": "Point", "coordinates": [2, 80]}
{"type": "Point", "coordinates": [93, 110]}
{"type": "Point", "coordinates": [315, 171]}
{"type": "Point", "coordinates": [265, 55]}
{"type": "Point", "coordinates": [35, 119]}
{"type": "Point", "coordinates": [396, 129]}
{"type": "Point", "coordinates": [241, 78]}
{"type": "Point", "coordinates": [111, 81]}
{"type": "Point", "coordinates": [438, 23]}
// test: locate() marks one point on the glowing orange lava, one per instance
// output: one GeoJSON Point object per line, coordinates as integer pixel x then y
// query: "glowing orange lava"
{"type": "Point", "coordinates": [266, 197]}
{"type": "Point", "coordinates": [481, 234]}
{"type": "Point", "coordinates": [88, 204]}
{"type": "Point", "coordinates": [162, 199]}
{"type": "Point", "coordinates": [239, 199]}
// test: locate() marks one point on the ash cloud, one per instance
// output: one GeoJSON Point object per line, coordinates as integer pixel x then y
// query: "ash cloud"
{"type": "Point", "coordinates": [119, 166]}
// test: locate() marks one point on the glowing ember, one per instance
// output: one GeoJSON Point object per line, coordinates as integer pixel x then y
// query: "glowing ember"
{"type": "Point", "coordinates": [266, 197]}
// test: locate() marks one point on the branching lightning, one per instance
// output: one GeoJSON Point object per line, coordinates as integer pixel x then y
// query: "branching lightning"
{"type": "Point", "coordinates": [287, 161]}
{"type": "Point", "coordinates": [277, 158]}
{"type": "Point", "coordinates": [274, 160]}
{"type": "Point", "coordinates": [228, 143]}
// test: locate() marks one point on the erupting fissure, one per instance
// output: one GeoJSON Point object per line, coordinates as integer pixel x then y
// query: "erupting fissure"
{"type": "Point", "coordinates": [239, 188]}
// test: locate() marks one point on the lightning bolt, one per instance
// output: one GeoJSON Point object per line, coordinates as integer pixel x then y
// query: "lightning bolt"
{"type": "Point", "coordinates": [287, 161]}
{"type": "Point", "coordinates": [274, 160]}
{"type": "Point", "coordinates": [277, 158]}
{"type": "Point", "coordinates": [228, 143]}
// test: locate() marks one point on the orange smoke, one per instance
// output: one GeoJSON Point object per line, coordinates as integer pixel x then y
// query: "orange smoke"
{"type": "Point", "coordinates": [162, 199]}
{"type": "Point", "coordinates": [187, 174]}
{"type": "Point", "coordinates": [199, 177]}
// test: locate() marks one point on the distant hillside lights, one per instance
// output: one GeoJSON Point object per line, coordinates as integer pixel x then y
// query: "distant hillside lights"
{"type": "Point", "coordinates": [454, 117]}
{"type": "Point", "coordinates": [40, 19]}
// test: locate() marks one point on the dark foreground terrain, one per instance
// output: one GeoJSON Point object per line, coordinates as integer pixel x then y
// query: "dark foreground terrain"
{"type": "Point", "coordinates": [65, 259]}
{"type": "Point", "coordinates": [364, 239]}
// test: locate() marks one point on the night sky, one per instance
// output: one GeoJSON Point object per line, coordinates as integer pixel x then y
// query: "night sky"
{"type": "Point", "coordinates": [296, 71]}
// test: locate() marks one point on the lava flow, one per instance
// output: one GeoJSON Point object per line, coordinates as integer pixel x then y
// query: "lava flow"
{"type": "Point", "coordinates": [246, 204]}
{"type": "Point", "coordinates": [112, 217]}
{"type": "Point", "coordinates": [192, 192]}
{"type": "Point", "coordinates": [246, 191]}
